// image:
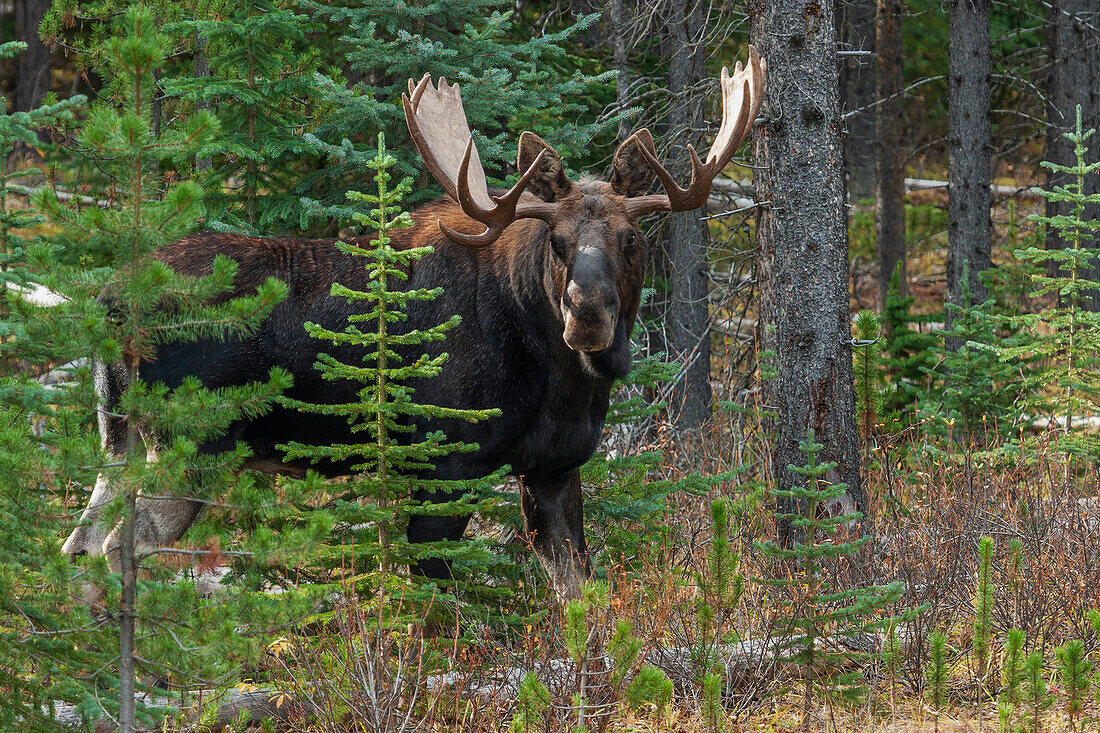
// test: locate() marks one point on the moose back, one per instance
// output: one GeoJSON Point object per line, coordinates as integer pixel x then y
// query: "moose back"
{"type": "Point", "coordinates": [546, 277]}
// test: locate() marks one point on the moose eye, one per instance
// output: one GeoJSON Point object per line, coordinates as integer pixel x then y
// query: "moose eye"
{"type": "Point", "coordinates": [631, 240]}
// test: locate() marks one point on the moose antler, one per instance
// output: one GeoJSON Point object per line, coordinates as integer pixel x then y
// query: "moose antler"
{"type": "Point", "coordinates": [742, 94]}
{"type": "Point", "coordinates": [437, 123]}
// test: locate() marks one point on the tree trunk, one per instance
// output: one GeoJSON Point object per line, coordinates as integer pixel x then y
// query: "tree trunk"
{"type": "Point", "coordinates": [890, 226]}
{"type": "Point", "coordinates": [856, 20]}
{"type": "Point", "coordinates": [687, 315]}
{"type": "Point", "coordinates": [969, 142]}
{"type": "Point", "coordinates": [1073, 79]}
{"type": "Point", "coordinates": [802, 244]}
{"type": "Point", "coordinates": [33, 78]}
{"type": "Point", "coordinates": [616, 35]}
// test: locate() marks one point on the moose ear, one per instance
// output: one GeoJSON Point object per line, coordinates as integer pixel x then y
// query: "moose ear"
{"type": "Point", "coordinates": [631, 173]}
{"type": "Point", "coordinates": [549, 182]}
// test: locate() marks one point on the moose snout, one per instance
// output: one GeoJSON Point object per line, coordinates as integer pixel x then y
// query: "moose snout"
{"type": "Point", "coordinates": [591, 314]}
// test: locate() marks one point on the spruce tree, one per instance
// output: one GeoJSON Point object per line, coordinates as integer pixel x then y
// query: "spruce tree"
{"type": "Point", "coordinates": [814, 609]}
{"type": "Point", "coordinates": [120, 313]}
{"type": "Point", "coordinates": [909, 361]}
{"type": "Point", "coordinates": [1064, 336]}
{"type": "Point", "coordinates": [267, 89]}
{"type": "Point", "coordinates": [979, 393]}
{"type": "Point", "coordinates": [509, 76]}
{"type": "Point", "coordinates": [391, 462]}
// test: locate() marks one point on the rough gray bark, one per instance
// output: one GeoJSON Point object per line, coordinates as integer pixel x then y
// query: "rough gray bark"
{"type": "Point", "coordinates": [802, 243]}
{"type": "Point", "coordinates": [1074, 75]}
{"type": "Point", "coordinates": [969, 142]}
{"type": "Point", "coordinates": [33, 78]}
{"type": "Point", "coordinates": [890, 171]}
{"type": "Point", "coordinates": [856, 24]}
{"type": "Point", "coordinates": [687, 317]}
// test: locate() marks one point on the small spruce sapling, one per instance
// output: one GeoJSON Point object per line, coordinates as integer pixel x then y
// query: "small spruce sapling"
{"type": "Point", "coordinates": [909, 361]}
{"type": "Point", "coordinates": [377, 350]}
{"type": "Point", "coordinates": [867, 355]}
{"type": "Point", "coordinates": [817, 610]}
{"type": "Point", "coordinates": [1065, 336]}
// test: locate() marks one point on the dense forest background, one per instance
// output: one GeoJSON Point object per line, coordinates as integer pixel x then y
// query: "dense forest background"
{"type": "Point", "coordinates": [850, 484]}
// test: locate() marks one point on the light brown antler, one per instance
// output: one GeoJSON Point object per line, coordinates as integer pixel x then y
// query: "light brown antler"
{"type": "Point", "coordinates": [742, 94]}
{"type": "Point", "coordinates": [437, 123]}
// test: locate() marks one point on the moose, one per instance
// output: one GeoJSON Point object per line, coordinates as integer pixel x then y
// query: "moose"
{"type": "Point", "coordinates": [546, 277]}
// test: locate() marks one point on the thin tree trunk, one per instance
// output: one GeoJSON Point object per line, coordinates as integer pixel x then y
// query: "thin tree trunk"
{"type": "Point", "coordinates": [890, 226]}
{"type": "Point", "coordinates": [1073, 79]}
{"type": "Point", "coordinates": [201, 71]}
{"type": "Point", "coordinates": [127, 611]}
{"type": "Point", "coordinates": [33, 78]}
{"type": "Point", "coordinates": [969, 142]}
{"type": "Point", "coordinates": [856, 21]}
{"type": "Point", "coordinates": [687, 315]}
{"type": "Point", "coordinates": [802, 244]}
{"type": "Point", "coordinates": [616, 33]}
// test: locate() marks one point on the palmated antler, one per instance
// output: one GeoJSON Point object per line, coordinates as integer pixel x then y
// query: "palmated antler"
{"type": "Point", "coordinates": [437, 123]}
{"type": "Point", "coordinates": [742, 94]}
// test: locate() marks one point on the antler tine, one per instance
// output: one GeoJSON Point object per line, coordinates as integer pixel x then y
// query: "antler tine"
{"type": "Point", "coordinates": [742, 94]}
{"type": "Point", "coordinates": [496, 219]}
{"type": "Point", "coordinates": [438, 126]}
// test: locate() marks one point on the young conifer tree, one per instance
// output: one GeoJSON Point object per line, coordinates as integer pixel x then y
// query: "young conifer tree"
{"type": "Point", "coordinates": [120, 314]}
{"type": "Point", "coordinates": [908, 358]}
{"type": "Point", "coordinates": [814, 609]}
{"type": "Point", "coordinates": [392, 461]}
{"type": "Point", "coordinates": [49, 644]}
{"type": "Point", "coordinates": [867, 368]}
{"type": "Point", "coordinates": [983, 607]}
{"type": "Point", "coordinates": [978, 398]}
{"type": "Point", "coordinates": [1065, 336]}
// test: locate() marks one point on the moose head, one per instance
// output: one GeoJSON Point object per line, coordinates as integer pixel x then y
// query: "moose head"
{"type": "Point", "coordinates": [598, 252]}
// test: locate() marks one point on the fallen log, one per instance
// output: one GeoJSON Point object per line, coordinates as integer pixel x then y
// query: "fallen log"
{"type": "Point", "coordinates": [254, 703]}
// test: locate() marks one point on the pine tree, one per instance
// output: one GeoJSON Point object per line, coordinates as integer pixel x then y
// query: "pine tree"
{"type": "Point", "coordinates": [720, 588]}
{"type": "Point", "coordinates": [983, 606]}
{"type": "Point", "coordinates": [1036, 696]}
{"type": "Point", "coordinates": [816, 610]}
{"type": "Point", "coordinates": [1075, 674]}
{"type": "Point", "coordinates": [120, 313]}
{"type": "Point", "coordinates": [935, 674]}
{"type": "Point", "coordinates": [1012, 678]}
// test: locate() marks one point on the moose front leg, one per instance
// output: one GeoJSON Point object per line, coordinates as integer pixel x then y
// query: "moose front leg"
{"type": "Point", "coordinates": [553, 516]}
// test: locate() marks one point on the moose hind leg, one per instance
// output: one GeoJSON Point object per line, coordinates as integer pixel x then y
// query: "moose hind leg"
{"type": "Point", "coordinates": [553, 513]}
{"type": "Point", "coordinates": [89, 535]}
{"type": "Point", "coordinates": [158, 520]}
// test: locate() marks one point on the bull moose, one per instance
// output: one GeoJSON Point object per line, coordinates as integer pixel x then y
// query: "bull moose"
{"type": "Point", "coordinates": [546, 278]}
